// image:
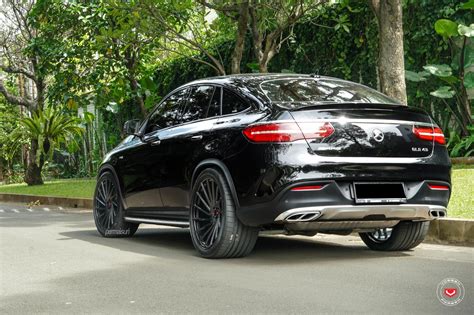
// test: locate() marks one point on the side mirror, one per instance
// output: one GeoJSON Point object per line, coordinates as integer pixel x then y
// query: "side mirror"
{"type": "Point", "coordinates": [131, 127]}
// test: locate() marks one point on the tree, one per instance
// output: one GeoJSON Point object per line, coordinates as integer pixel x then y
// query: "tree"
{"type": "Point", "coordinates": [8, 123]}
{"type": "Point", "coordinates": [238, 12]}
{"type": "Point", "coordinates": [20, 56]}
{"type": "Point", "coordinates": [105, 49]}
{"type": "Point", "coordinates": [189, 30]}
{"type": "Point", "coordinates": [49, 128]}
{"type": "Point", "coordinates": [391, 64]}
{"type": "Point", "coordinates": [270, 22]}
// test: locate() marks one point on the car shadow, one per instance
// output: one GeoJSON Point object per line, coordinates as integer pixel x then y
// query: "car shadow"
{"type": "Point", "coordinates": [175, 242]}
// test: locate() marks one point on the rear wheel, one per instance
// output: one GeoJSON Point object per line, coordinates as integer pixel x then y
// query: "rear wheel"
{"type": "Point", "coordinates": [405, 235]}
{"type": "Point", "coordinates": [108, 209]}
{"type": "Point", "coordinates": [216, 231]}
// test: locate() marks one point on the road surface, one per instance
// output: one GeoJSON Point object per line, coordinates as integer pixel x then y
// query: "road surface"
{"type": "Point", "coordinates": [53, 261]}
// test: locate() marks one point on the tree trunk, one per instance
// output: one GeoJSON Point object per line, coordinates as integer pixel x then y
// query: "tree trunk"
{"type": "Point", "coordinates": [391, 64]}
{"type": "Point", "coordinates": [240, 37]}
{"type": "Point", "coordinates": [33, 169]}
{"type": "Point", "coordinates": [138, 98]}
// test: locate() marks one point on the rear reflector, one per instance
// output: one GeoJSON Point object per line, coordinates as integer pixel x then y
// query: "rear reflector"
{"type": "Point", "coordinates": [429, 134]}
{"type": "Point", "coordinates": [288, 132]}
{"type": "Point", "coordinates": [308, 188]}
{"type": "Point", "coordinates": [438, 187]}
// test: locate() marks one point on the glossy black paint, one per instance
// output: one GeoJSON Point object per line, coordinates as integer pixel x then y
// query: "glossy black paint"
{"type": "Point", "coordinates": [156, 170]}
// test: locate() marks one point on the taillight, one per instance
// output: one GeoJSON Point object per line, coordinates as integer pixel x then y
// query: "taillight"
{"type": "Point", "coordinates": [308, 188]}
{"type": "Point", "coordinates": [288, 131]}
{"type": "Point", "coordinates": [430, 134]}
{"type": "Point", "coordinates": [438, 187]}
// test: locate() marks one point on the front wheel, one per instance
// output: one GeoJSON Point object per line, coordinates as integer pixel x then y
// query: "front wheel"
{"type": "Point", "coordinates": [216, 231]}
{"type": "Point", "coordinates": [403, 236]}
{"type": "Point", "coordinates": [108, 209]}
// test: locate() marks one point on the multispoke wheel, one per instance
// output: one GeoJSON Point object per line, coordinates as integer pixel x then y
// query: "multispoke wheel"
{"type": "Point", "coordinates": [216, 231]}
{"type": "Point", "coordinates": [106, 203]}
{"type": "Point", "coordinates": [108, 210]}
{"type": "Point", "coordinates": [206, 212]}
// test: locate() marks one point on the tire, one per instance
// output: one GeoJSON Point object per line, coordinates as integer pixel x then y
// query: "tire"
{"type": "Point", "coordinates": [108, 209]}
{"type": "Point", "coordinates": [403, 236]}
{"type": "Point", "coordinates": [216, 231]}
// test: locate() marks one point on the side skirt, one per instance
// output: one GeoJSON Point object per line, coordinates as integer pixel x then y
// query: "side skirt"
{"type": "Point", "coordinates": [183, 224]}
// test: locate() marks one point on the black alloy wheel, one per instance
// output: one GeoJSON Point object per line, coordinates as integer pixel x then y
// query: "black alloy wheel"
{"type": "Point", "coordinates": [216, 231]}
{"type": "Point", "coordinates": [108, 210]}
{"type": "Point", "coordinates": [207, 212]}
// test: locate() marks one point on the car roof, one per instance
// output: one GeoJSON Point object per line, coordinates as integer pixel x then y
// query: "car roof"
{"type": "Point", "coordinates": [248, 83]}
{"type": "Point", "coordinates": [255, 78]}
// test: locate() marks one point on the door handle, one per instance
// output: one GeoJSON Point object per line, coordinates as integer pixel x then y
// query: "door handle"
{"type": "Point", "coordinates": [152, 140]}
{"type": "Point", "coordinates": [196, 137]}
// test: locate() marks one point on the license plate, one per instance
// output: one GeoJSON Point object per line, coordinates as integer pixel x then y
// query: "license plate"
{"type": "Point", "coordinates": [379, 192]}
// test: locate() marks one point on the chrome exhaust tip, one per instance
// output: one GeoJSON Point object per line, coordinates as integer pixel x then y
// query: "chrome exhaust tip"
{"type": "Point", "coordinates": [303, 216]}
{"type": "Point", "coordinates": [437, 214]}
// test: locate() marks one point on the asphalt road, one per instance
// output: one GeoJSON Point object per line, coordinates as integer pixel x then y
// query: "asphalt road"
{"type": "Point", "coordinates": [55, 262]}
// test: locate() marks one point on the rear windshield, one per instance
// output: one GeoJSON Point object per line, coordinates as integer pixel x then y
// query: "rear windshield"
{"type": "Point", "coordinates": [321, 91]}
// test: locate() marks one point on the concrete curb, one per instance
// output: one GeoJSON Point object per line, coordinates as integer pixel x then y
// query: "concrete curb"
{"type": "Point", "coordinates": [49, 200]}
{"type": "Point", "coordinates": [442, 231]}
{"type": "Point", "coordinates": [451, 231]}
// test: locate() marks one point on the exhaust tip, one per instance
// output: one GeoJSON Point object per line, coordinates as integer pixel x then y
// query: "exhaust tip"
{"type": "Point", "coordinates": [303, 217]}
{"type": "Point", "coordinates": [437, 213]}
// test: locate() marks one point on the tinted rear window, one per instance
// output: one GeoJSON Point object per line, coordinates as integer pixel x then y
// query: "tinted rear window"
{"type": "Point", "coordinates": [321, 91]}
{"type": "Point", "coordinates": [231, 103]}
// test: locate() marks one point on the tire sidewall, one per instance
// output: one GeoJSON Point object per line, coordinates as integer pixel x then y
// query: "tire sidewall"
{"type": "Point", "coordinates": [227, 210]}
{"type": "Point", "coordinates": [399, 240]}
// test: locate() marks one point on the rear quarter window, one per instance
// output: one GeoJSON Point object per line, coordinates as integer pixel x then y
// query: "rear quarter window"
{"type": "Point", "coordinates": [232, 103]}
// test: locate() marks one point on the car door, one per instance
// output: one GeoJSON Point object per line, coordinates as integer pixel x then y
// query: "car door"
{"type": "Point", "coordinates": [188, 143]}
{"type": "Point", "coordinates": [141, 166]}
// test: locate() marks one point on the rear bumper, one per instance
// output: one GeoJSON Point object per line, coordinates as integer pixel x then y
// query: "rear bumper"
{"type": "Point", "coordinates": [363, 212]}
{"type": "Point", "coordinates": [335, 202]}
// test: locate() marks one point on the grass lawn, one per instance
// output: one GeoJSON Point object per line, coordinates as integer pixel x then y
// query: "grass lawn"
{"type": "Point", "coordinates": [460, 206]}
{"type": "Point", "coordinates": [79, 188]}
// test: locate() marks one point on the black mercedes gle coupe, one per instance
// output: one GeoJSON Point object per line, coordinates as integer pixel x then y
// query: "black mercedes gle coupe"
{"type": "Point", "coordinates": [233, 156]}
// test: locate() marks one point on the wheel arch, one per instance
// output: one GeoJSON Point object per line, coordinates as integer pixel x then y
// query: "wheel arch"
{"type": "Point", "coordinates": [220, 166]}
{"type": "Point", "coordinates": [109, 168]}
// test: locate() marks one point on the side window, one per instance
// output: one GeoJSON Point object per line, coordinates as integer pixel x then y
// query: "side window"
{"type": "Point", "coordinates": [231, 103]}
{"type": "Point", "coordinates": [215, 106]}
{"type": "Point", "coordinates": [168, 113]}
{"type": "Point", "coordinates": [198, 103]}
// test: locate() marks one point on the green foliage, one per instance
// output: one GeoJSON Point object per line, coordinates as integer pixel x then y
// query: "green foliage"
{"type": "Point", "coordinates": [455, 75]}
{"type": "Point", "coordinates": [416, 76]}
{"type": "Point", "coordinates": [443, 92]}
{"type": "Point", "coordinates": [439, 70]}
{"type": "Point", "coordinates": [461, 147]}
{"type": "Point", "coordinates": [446, 28]}
{"type": "Point", "coordinates": [467, 31]}
{"type": "Point", "coordinates": [49, 128]}
{"type": "Point", "coordinates": [468, 5]}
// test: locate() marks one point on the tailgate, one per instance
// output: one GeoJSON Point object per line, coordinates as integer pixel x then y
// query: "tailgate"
{"type": "Point", "coordinates": [368, 132]}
